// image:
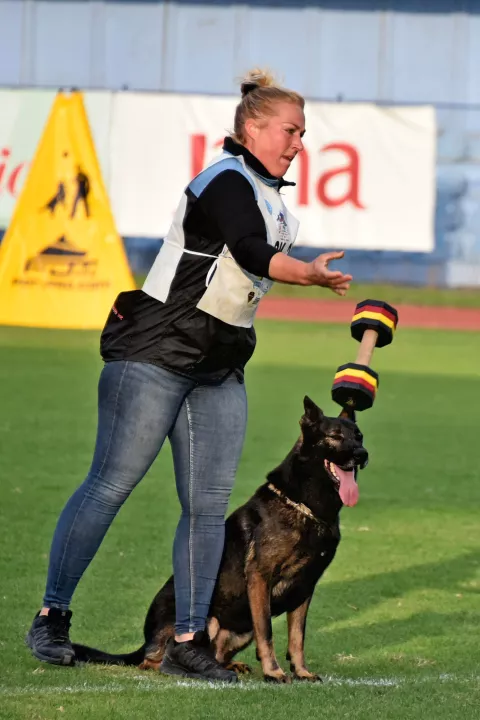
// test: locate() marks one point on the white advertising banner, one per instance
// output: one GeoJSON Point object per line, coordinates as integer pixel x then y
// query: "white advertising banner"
{"type": "Point", "coordinates": [366, 179]}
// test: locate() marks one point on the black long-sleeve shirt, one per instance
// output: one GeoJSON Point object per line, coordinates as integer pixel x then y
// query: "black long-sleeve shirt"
{"type": "Point", "coordinates": [174, 333]}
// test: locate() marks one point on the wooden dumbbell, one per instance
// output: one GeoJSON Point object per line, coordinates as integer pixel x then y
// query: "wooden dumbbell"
{"type": "Point", "coordinates": [373, 325]}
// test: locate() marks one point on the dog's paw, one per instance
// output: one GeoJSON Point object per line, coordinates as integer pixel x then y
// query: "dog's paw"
{"type": "Point", "coordinates": [239, 667]}
{"type": "Point", "coordinates": [282, 678]}
{"type": "Point", "coordinates": [306, 676]}
{"type": "Point", "coordinates": [149, 665]}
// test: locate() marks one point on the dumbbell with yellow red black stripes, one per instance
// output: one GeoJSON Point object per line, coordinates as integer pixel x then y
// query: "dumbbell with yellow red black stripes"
{"type": "Point", "coordinates": [373, 325]}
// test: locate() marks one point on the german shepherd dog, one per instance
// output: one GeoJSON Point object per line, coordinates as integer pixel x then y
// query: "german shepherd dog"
{"type": "Point", "coordinates": [277, 547]}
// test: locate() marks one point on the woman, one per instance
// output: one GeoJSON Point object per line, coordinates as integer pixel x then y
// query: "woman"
{"type": "Point", "coordinates": [174, 357]}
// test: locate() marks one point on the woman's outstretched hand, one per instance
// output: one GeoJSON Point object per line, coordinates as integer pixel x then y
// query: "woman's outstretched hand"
{"type": "Point", "coordinates": [284, 268]}
{"type": "Point", "coordinates": [319, 274]}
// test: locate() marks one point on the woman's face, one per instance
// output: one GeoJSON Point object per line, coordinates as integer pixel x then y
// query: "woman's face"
{"type": "Point", "coordinates": [276, 139]}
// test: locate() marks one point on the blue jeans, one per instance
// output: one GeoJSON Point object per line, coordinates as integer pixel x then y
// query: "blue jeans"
{"type": "Point", "coordinates": [139, 405]}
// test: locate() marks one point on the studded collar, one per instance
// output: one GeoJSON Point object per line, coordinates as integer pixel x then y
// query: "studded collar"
{"type": "Point", "coordinates": [300, 507]}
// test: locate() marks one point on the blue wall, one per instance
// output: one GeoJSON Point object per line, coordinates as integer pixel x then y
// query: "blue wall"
{"type": "Point", "coordinates": [374, 50]}
{"type": "Point", "coordinates": [404, 51]}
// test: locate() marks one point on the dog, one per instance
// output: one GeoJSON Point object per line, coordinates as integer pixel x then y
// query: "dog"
{"type": "Point", "coordinates": [277, 547]}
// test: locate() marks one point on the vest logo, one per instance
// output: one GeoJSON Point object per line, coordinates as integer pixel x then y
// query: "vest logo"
{"type": "Point", "coordinates": [284, 243]}
{"type": "Point", "coordinates": [254, 296]}
{"type": "Point", "coordinates": [282, 227]}
{"type": "Point", "coordinates": [260, 287]}
{"type": "Point", "coordinates": [61, 259]}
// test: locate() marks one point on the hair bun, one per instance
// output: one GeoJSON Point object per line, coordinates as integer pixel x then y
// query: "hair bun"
{"type": "Point", "coordinates": [254, 79]}
{"type": "Point", "coordinates": [247, 87]}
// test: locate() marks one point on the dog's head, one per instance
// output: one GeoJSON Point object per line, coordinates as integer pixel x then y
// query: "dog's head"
{"type": "Point", "coordinates": [337, 443]}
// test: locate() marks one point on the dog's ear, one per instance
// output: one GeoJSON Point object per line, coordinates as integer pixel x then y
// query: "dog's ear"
{"type": "Point", "coordinates": [312, 412]}
{"type": "Point", "coordinates": [348, 413]}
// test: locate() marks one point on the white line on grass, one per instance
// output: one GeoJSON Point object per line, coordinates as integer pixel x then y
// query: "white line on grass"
{"type": "Point", "coordinates": [150, 686]}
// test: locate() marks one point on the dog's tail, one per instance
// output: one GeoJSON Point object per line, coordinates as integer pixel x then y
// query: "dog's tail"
{"type": "Point", "coordinates": [83, 653]}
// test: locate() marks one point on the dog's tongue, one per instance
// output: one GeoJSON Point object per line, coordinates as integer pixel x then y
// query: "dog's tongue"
{"type": "Point", "coordinates": [348, 490]}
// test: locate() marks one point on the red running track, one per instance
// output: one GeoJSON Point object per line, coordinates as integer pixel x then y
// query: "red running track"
{"type": "Point", "coordinates": [341, 311]}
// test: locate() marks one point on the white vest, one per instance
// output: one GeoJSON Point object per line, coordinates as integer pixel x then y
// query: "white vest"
{"type": "Point", "coordinates": [232, 294]}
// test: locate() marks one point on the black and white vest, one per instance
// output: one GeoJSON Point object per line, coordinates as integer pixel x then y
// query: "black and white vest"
{"type": "Point", "coordinates": [231, 294]}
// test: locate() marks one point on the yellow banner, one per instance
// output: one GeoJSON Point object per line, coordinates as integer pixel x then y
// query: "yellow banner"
{"type": "Point", "coordinates": [62, 262]}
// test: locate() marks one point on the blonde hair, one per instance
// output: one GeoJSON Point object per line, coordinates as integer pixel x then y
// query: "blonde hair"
{"type": "Point", "coordinates": [260, 92]}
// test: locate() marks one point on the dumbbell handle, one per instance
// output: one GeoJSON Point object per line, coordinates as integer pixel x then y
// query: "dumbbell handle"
{"type": "Point", "coordinates": [367, 346]}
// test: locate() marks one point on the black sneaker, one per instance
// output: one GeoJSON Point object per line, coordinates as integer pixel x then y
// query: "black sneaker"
{"type": "Point", "coordinates": [48, 637]}
{"type": "Point", "coordinates": [194, 659]}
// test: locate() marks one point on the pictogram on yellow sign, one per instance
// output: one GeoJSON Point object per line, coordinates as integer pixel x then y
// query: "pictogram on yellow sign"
{"type": "Point", "coordinates": [62, 262]}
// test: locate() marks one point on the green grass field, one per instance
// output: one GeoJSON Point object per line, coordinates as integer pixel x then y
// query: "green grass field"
{"type": "Point", "coordinates": [394, 625]}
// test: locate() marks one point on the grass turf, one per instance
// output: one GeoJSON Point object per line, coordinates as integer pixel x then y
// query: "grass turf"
{"type": "Point", "coordinates": [393, 627]}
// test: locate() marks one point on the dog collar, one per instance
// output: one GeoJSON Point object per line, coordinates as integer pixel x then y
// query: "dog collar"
{"type": "Point", "coordinates": [300, 507]}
